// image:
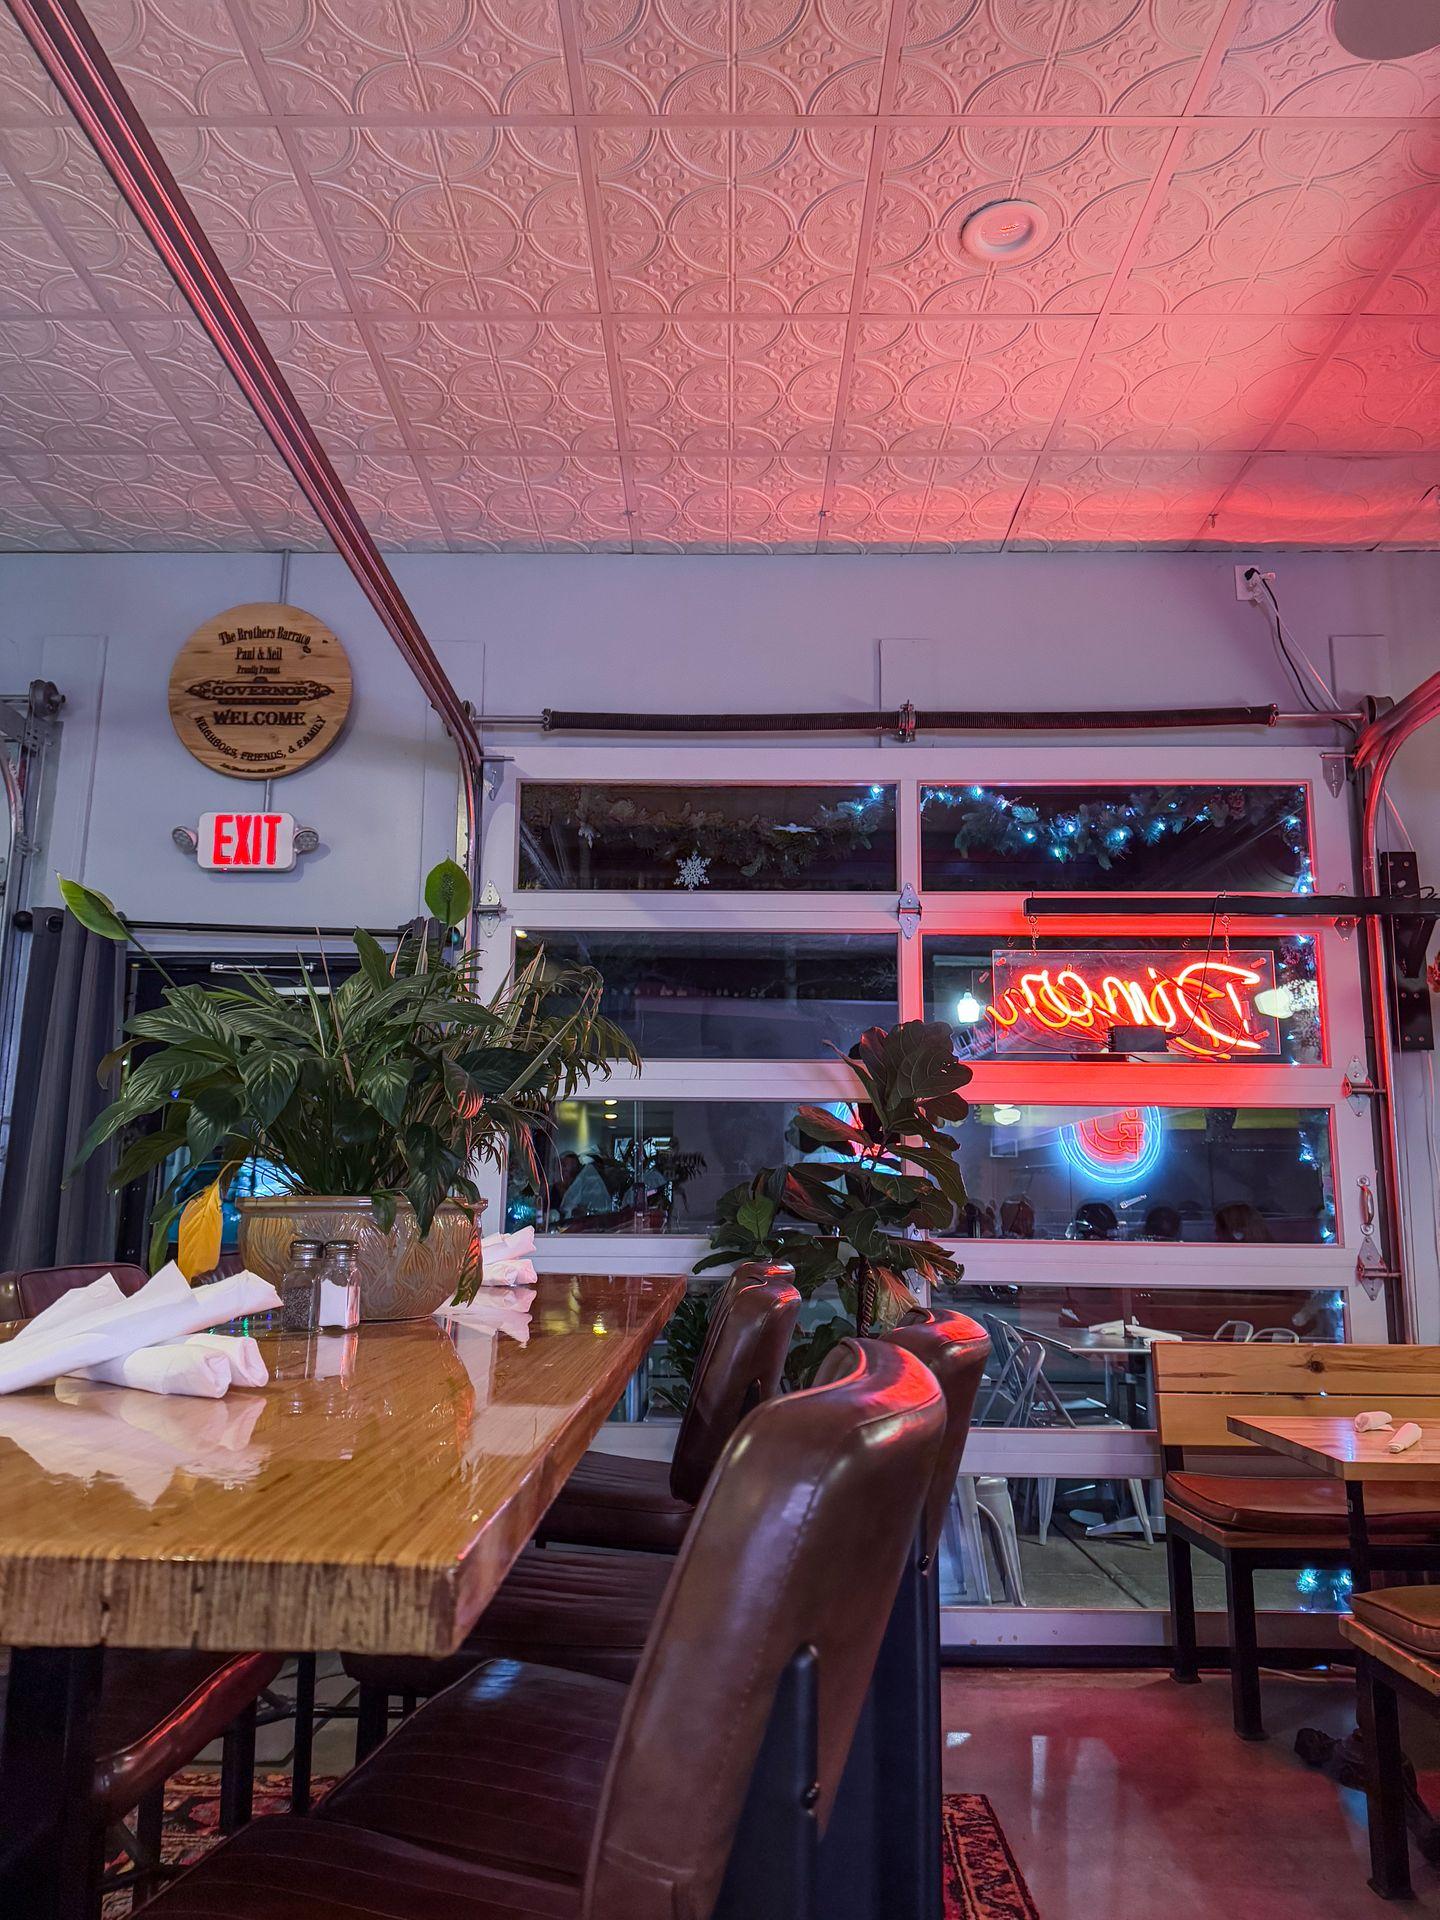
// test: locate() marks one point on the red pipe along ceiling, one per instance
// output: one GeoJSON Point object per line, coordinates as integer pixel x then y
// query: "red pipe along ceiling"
{"type": "Point", "coordinates": [1375, 750]}
{"type": "Point", "coordinates": [95, 94]}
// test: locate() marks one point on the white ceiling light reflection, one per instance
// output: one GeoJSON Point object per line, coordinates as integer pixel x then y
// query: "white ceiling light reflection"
{"type": "Point", "coordinates": [1005, 1116]}
{"type": "Point", "coordinates": [967, 1010]}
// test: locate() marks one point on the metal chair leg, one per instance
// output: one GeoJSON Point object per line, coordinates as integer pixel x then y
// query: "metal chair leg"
{"type": "Point", "coordinates": [237, 1772]}
{"type": "Point", "coordinates": [1140, 1501]}
{"type": "Point", "coordinates": [1244, 1649]}
{"type": "Point", "coordinates": [1379, 1715]}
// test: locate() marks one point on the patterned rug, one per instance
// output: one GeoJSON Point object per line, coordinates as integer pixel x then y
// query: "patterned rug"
{"type": "Point", "coordinates": [982, 1881]}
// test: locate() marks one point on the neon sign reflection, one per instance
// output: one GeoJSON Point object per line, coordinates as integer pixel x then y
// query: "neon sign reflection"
{"type": "Point", "coordinates": [1116, 1149]}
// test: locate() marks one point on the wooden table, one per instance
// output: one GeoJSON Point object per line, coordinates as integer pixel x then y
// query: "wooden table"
{"type": "Point", "coordinates": [1330, 1445]}
{"type": "Point", "coordinates": [371, 1498]}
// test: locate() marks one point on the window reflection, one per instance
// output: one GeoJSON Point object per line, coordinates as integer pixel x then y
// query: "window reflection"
{"type": "Point", "coordinates": [723, 996]}
{"type": "Point", "coordinates": [652, 1166]}
{"type": "Point", "coordinates": [1102, 838]}
{"type": "Point", "coordinates": [1217, 1174]}
{"type": "Point", "coordinates": [608, 838]}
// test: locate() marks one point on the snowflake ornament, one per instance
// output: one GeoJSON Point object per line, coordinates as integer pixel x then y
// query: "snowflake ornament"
{"type": "Point", "coordinates": [694, 872]}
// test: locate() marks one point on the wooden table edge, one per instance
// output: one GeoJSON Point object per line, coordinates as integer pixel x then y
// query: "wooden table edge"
{"type": "Point", "coordinates": [450, 1596]}
{"type": "Point", "coordinates": [1397, 1466]}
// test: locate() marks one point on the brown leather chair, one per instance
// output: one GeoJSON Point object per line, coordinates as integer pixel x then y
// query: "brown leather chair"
{"type": "Point", "coordinates": [611, 1501]}
{"type": "Point", "coordinates": [37, 1288]}
{"type": "Point", "coordinates": [156, 1712]}
{"type": "Point", "coordinates": [592, 1612]}
{"type": "Point", "coordinates": [575, 1608]}
{"type": "Point", "coordinates": [699, 1791]}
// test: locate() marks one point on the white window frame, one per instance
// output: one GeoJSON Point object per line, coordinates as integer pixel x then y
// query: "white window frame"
{"type": "Point", "coordinates": [908, 769]}
{"type": "Point", "coordinates": [1192, 1083]}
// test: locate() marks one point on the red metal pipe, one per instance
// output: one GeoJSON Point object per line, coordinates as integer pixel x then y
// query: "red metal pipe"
{"type": "Point", "coordinates": [1376, 749]}
{"type": "Point", "coordinates": [95, 94]}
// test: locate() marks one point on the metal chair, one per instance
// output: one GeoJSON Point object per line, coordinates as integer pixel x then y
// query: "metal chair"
{"type": "Point", "coordinates": [1041, 1406]}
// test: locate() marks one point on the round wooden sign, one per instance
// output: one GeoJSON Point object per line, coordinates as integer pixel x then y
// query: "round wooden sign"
{"type": "Point", "coordinates": [260, 690]}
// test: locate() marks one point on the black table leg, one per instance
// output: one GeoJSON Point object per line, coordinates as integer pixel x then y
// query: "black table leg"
{"type": "Point", "coordinates": [300, 1766]}
{"type": "Point", "coordinates": [51, 1846]}
{"type": "Point", "coordinates": [1359, 1536]}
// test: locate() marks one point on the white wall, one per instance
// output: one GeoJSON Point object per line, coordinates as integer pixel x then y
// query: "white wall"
{"type": "Point", "coordinates": [661, 634]}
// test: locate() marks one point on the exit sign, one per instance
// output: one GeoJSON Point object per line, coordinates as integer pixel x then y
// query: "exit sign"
{"type": "Point", "coordinates": [246, 842]}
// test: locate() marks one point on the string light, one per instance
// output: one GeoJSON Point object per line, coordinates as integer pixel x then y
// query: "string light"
{"type": "Point", "coordinates": [967, 1010]}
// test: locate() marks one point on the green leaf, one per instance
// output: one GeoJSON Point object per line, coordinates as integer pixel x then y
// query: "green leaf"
{"type": "Point", "coordinates": [94, 912]}
{"type": "Point", "coordinates": [818, 1127]}
{"type": "Point", "coordinates": [373, 962]}
{"type": "Point", "coordinates": [384, 1202]}
{"type": "Point", "coordinates": [213, 1113]}
{"type": "Point", "coordinates": [385, 1087]}
{"type": "Point", "coordinates": [447, 893]}
{"type": "Point", "coordinates": [269, 1080]}
{"type": "Point", "coordinates": [148, 1152]}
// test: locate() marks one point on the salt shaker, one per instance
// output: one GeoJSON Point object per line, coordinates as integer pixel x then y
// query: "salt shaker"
{"type": "Point", "coordinates": [339, 1287]}
{"type": "Point", "coordinates": [298, 1287]}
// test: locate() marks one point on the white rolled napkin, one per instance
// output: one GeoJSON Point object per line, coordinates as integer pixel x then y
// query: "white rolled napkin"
{"type": "Point", "coordinates": [239, 1352]}
{"type": "Point", "coordinates": [176, 1367]}
{"type": "Point", "coordinates": [507, 1313]}
{"type": "Point", "coordinates": [1406, 1437]}
{"type": "Point", "coordinates": [1372, 1422]}
{"type": "Point", "coordinates": [505, 1259]}
{"type": "Point", "coordinates": [160, 1312]}
{"type": "Point", "coordinates": [75, 1305]}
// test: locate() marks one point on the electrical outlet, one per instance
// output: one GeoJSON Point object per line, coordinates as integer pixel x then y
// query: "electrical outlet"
{"type": "Point", "coordinates": [1243, 589]}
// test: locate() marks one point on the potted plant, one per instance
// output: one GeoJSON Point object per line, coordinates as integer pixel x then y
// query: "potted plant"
{"type": "Point", "coordinates": [853, 1225]}
{"type": "Point", "coordinates": [374, 1099]}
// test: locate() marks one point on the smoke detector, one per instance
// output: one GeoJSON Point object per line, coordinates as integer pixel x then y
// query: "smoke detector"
{"type": "Point", "coordinates": [1005, 231]}
{"type": "Point", "coordinates": [1386, 29]}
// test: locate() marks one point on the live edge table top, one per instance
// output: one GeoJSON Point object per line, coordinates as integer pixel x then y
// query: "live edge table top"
{"type": "Point", "coordinates": [1330, 1445]}
{"type": "Point", "coordinates": [372, 1497]}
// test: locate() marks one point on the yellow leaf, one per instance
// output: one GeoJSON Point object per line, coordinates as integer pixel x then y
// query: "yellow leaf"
{"type": "Point", "coordinates": [201, 1225]}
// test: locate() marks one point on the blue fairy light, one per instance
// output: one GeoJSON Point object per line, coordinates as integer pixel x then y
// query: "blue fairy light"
{"type": "Point", "coordinates": [1030, 834]}
{"type": "Point", "coordinates": [1117, 836]}
{"type": "Point", "coordinates": [977, 793]}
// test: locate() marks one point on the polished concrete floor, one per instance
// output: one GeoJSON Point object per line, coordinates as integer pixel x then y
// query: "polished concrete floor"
{"type": "Point", "coordinates": [1125, 1797]}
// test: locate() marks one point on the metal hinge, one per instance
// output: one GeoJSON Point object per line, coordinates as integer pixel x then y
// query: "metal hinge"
{"type": "Point", "coordinates": [489, 909]}
{"type": "Point", "coordinates": [493, 767]}
{"type": "Point", "coordinates": [908, 911]}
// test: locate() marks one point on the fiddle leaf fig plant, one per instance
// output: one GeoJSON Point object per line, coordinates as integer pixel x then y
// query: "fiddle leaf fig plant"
{"type": "Point", "coordinates": [394, 1083]}
{"type": "Point", "coordinates": [856, 1220]}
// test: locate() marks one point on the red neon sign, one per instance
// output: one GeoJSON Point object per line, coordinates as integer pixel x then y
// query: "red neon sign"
{"type": "Point", "coordinates": [1043, 1004]}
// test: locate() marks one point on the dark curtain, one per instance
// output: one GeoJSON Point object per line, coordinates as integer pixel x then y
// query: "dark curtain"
{"type": "Point", "coordinates": [73, 1009]}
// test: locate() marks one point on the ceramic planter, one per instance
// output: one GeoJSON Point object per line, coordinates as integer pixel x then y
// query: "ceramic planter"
{"type": "Point", "coordinates": [402, 1277]}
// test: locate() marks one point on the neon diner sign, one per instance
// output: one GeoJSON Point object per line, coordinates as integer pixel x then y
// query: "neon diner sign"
{"type": "Point", "coordinates": [1071, 1002]}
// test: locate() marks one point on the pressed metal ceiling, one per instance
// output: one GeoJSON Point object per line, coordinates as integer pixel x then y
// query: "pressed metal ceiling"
{"type": "Point", "coordinates": [657, 275]}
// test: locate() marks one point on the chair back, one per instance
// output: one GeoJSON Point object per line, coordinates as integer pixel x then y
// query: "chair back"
{"type": "Point", "coordinates": [740, 1365]}
{"type": "Point", "coordinates": [40, 1287]}
{"type": "Point", "coordinates": [1200, 1383]}
{"type": "Point", "coordinates": [799, 1543]}
{"type": "Point", "coordinates": [955, 1350]}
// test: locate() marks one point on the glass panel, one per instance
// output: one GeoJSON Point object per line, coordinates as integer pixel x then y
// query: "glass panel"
{"type": "Point", "coordinates": [1090, 839]}
{"type": "Point", "coordinates": [1060, 1356]}
{"type": "Point", "coordinates": [1214, 1174]}
{"type": "Point", "coordinates": [737, 996]}
{"type": "Point", "coordinates": [1098, 1367]}
{"type": "Point", "coordinates": [653, 1166]}
{"type": "Point", "coordinates": [748, 839]}
{"type": "Point", "coordinates": [1078, 991]}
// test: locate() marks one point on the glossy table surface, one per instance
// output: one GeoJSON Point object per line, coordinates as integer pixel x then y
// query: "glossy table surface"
{"type": "Point", "coordinates": [372, 1497]}
{"type": "Point", "coordinates": [1330, 1445]}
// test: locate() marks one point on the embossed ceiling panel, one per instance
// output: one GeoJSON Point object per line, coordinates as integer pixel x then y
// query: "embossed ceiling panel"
{"type": "Point", "coordinates": [684, 275]}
